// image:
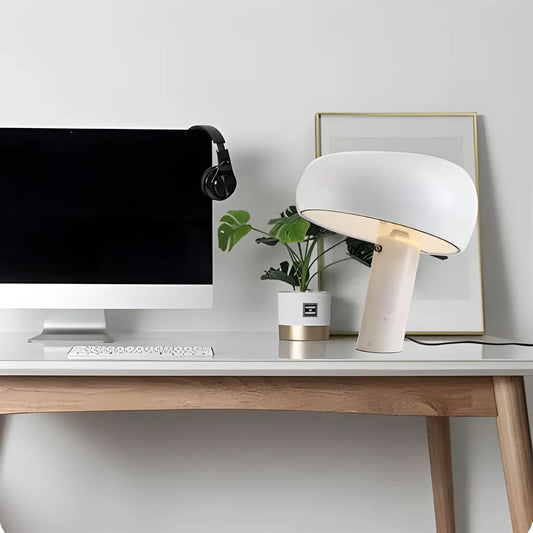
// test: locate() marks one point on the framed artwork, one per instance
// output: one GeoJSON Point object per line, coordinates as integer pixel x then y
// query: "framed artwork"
{"type": "Point", "coordinates": [448, 295]}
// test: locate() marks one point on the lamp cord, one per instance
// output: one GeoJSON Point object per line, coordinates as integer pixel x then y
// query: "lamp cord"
{"type": "Point", "coordinates": [442, 343]}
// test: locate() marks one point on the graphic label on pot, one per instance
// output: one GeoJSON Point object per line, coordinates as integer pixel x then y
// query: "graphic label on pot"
{"type": "Point", "coordinates": [310, 309]}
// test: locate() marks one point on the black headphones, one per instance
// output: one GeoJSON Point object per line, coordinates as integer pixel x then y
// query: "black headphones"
{"type": "Point", "coordinates": [218, 182]}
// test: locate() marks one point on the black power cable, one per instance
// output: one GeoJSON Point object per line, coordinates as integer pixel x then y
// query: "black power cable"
{"type": "Point", "coordinates": [442, 343]}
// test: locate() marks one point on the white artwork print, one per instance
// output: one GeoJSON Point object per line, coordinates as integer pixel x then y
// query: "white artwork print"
{"type": "Point", "coordinates": [447, 296]}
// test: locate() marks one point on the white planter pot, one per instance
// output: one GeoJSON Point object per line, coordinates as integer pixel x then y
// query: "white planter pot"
{"type": "Point", "coordinates": [304, 316]}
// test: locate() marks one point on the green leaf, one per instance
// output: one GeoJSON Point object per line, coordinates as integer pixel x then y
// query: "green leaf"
{"type": "Point", "coordinates": [289, 226]}
{"type": "Point", "coordinates": [361, 251]}
{"type": "Point", "coordinates": [240, 215]}
{"type": "Point", "coordinates": [233, 228]}
{"type": "Point", "coordinates": [269, 241]}
{"type": "Point", "coordinates": [318, 231]}
{"type": "Point", "coordinates": [281, 274]}
{"type": "Point", "coordinates": [289, 229]}
{"type": "Point", "coordinates": [314, 230]}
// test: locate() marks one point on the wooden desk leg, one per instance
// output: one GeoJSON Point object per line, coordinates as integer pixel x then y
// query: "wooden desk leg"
{"type": "Point", "coordinates": [515, 445]}
{"type": "Point", "coordinates": [440, 459]}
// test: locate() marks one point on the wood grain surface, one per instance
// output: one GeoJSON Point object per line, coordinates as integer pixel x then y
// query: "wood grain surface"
{"type": "Point", "coordinates": [426, 396]}
{"type": "Point", "coordinates": [440, 459]}
{"type": "Point", "coordinates": [515, 445]}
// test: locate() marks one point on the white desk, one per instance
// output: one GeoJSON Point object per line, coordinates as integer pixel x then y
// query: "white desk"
{"type": "Point", "coordinates": [257, 371]}
{"type": "Point", "coordinates": [262, 354]}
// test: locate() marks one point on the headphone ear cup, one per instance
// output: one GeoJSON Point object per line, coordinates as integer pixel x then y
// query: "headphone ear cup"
{"type": "Point", "coordinates": [217, 185]}
{"type": "Point", "coordinates": [225, 184]}
{"type": "Point", "coordinates": [206, 183]}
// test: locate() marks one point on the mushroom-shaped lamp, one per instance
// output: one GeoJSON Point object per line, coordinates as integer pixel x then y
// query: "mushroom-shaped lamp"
{"type": "Point", "coordinates": [405, 203]}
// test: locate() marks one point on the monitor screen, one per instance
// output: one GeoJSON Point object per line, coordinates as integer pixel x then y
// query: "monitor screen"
{"type": "Point", "coordinates": [104, 206]}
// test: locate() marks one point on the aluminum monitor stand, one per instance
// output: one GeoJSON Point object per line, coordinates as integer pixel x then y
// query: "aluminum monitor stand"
{"type": "Point", "coordinates": [73, 326]}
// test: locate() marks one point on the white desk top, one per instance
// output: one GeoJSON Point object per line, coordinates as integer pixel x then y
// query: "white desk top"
{"type": "Point", "coordinates": [262, 354]}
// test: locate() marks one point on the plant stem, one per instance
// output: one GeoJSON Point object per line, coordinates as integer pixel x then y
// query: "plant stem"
{"type": "Point", "coordinates": [325, 252]}
{"type": "Point", "coordinates": [261, 231]}
{"type": "Point", "coordinates": [292, 254]}
{"type": "Point", "coordinates": [303, 270]}
{"type": "Point", "coordinates": [327, 266]}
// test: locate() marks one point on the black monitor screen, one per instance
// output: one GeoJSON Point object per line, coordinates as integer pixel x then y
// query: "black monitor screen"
{"type": "Point", "coordinates": [104, 206]}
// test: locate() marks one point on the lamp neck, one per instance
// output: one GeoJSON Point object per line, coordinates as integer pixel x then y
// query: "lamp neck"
{"type": "Point", "coordinates": [390, 289]}
{"type": "Point", "coordinates": [391, 232]}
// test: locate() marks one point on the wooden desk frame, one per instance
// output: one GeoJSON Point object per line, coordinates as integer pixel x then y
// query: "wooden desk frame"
{"type": "Point", "coordinates": [436, 398]}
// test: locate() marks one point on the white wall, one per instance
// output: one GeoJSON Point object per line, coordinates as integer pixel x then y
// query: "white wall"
{"type": "Point", "coordinates": [259, 71]}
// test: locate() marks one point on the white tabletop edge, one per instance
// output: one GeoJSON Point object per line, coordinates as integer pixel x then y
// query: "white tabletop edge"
{"type": "Point", "coordinates": [262, 354]}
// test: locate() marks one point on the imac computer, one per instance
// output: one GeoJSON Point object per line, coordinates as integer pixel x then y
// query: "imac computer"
{"type": "Point", "coordinates": [95, 219]}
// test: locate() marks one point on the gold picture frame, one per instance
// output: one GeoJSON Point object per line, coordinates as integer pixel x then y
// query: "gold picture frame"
{"type": "Point", "coordinates": [448, 295]}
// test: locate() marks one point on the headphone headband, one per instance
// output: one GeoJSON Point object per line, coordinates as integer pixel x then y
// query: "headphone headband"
{"type": "Point", "coordinates": [215, 135]}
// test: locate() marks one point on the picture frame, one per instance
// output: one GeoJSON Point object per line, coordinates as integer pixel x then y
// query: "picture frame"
{"type": "Point", "coordinates": [448, 295]}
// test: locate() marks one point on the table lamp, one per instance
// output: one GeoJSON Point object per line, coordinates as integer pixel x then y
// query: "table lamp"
{"type": "Point", "coordinates": [405, 203]}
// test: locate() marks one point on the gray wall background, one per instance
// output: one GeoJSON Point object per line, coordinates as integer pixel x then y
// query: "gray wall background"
{"type": "Point", "coordinates": [259, 71]}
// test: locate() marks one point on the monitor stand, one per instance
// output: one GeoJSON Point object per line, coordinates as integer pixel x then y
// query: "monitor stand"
{"type": "Point", "coordinates": [73, 326]}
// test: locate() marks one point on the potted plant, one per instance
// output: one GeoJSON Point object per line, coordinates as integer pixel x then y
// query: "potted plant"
{"type": "Point", "coordinates": [302, 314]}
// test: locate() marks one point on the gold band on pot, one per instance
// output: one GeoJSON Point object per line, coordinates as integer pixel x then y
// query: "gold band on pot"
{"type": "Point", "coordinates": [303, 333]}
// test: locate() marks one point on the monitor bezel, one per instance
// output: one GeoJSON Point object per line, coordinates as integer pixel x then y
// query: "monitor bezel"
{"type": "Point", "coordinates": [105, 296]}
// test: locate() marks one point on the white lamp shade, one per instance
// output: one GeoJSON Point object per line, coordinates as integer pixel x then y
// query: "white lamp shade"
{"type": "Point", "coordinates": [362, 194]}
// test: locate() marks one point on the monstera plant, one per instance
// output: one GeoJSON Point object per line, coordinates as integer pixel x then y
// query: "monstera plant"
{"type": "Point", "coordinates": [299, 238]}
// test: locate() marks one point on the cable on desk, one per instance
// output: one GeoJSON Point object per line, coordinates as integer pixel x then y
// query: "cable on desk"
{"type": "Point", "coordinates": [442, 343]}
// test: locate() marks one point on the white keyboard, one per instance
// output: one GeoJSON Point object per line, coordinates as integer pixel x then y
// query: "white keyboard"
{"type": "Point", "coordinates": [140, 353]}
